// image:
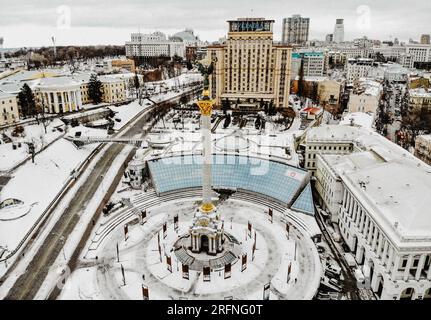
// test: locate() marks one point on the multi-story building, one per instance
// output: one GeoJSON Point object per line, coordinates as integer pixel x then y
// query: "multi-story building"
{"type": "Point", "coordinates": [63, 94]}
{"type": "Point", "coordinates": [365, 96]}
{"type": "Point", "coordinates": [115, 65]}
{"type": "Point", "coordinates": [386, 226]}
{"type": "Point", "coordinates": [341, 140]}
{"type": "Point", "coordinates": [326, 140]}
{"type": "Point", "coordinates": [419, 52]}
{"type": "Point", "coordinates": [249, 66]}
{"type": "Point", "coordinates": [384, 222]}
{"type": "Point", "coordinates": [195, 53]}
{"type": "Point", "coordinates": [113, 89]}
{"type": "Point", "coordinates": [8, 109]}
{"type": "Point", "coordinates": [389, 52]}
{"type": "Point", "coordinates": [58, 94]}
{"type": "Point", "coordinates": [295, 30]}
{"type": "Point", "coordinates": [394, 72]}
{"type": "Point", "coordinates": [423, 148]}
{"type": "Point", "coordinates": [188, 37]}
{"type": "Point", "coordinates": [313, 64]}
{"type": "Point", "coordinates": [358, 68]}
{"type": "Point", "coordinates": [339, 31]}
{"type": "Point", "coordinates": [406, 60]}
{"type": "Point", "coordinates": [153, 45]}
{"type": "Point", "coordinates": [419, 98]}
{"type": "Point", "coordinates": [425, 39]}
{"type": "Point", "coordinates": [329, 93]}
{"type": "Point", "coordinates": [329, 38]}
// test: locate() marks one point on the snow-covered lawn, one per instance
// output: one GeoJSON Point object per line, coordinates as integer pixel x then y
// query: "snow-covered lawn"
{"type": "Point", "coordinates": [33, 133]}
{"type": "Point", "coordinates": [37, 184]}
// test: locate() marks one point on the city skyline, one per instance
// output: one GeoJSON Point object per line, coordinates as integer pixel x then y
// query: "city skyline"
{"type": "Point", "coordinates": [68, 21]}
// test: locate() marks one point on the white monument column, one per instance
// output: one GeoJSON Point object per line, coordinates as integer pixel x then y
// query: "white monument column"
{"type": "Point", "coordinates": [205, 106]}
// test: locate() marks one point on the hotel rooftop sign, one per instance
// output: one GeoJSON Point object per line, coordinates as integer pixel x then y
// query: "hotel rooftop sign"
{"type": "Point", "coordinates": [250, 25]}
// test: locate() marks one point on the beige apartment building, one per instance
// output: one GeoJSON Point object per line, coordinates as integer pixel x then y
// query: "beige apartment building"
{"type": "Point", "coordinates": [423, 148]}
{"type": "Point", "coordinates": [250, 67]}
{"type": "Point", "coordinates": [113, 90]}
{"type": "Point", "coordinates": [365, 96]}
{"type": "Point", "coordinates": [8, 109]}
{"type": "Point", "coordinates": [329, 92]}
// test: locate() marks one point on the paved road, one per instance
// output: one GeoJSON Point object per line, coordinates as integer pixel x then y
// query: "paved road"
{"type": "Point", "coordinates": [349, 284]}
{"type": "Point", "coordinates": [28, 284]}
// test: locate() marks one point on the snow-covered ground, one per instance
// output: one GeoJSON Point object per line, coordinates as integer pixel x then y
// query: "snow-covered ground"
{"type": "Point", "coordinates": [101, 278]}
{"type": "Point", "coordinates": [32, 133]}
{"type": "Point", "coordinates": [37, 184]}
{"type": "Point", "coordinates": [273, 141]}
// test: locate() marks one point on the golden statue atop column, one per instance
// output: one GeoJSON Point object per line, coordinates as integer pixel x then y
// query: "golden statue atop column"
{"type": "Point", "coordinates": [207, 230]}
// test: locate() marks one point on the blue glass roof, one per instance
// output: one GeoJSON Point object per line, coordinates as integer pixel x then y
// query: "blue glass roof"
{"type": "Point", "coordinates": [304, 202]}
{"type": "Point", "coordinates": [273, 179]}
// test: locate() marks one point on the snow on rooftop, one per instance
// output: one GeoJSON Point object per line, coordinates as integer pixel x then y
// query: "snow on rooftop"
{"type": "Point", "coordinates": [55, 82]}
{"type": "Point", "coordinates": [425, 137]}
{"type": "Point", "coordinates": [420, 92]}
{"type": "Point", "coordinates": [360, 119]}
{"type": "Point", "coordinates": [393, 182]}
{"type": "Point", "coordinates": [355, 161]}
{"type": "Point", "coordinates": [364, 139]}
{"type": "Point", "coordinates": [368, 87]}
{"type": "Point", "coordinates": [5, 95]}
{"type": "Point", "coordinates": [315, 78]}
{"type": "Point", "coordinates": [402, 200]}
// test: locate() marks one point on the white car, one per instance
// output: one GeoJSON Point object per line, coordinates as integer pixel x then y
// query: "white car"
{"type": "Point", "coordinates": [359, 275]}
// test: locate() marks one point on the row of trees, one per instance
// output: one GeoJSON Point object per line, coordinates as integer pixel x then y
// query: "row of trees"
{"type": "Point", "coordinates": [45, 56]}
{"type": "Point", "coordinates": [268, 107]}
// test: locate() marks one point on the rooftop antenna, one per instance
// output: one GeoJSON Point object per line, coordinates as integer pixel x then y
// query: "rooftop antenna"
{"type": "Point", "coordinates": [55, 47]}
{"type": "Point", "coordinates": [1, 48]}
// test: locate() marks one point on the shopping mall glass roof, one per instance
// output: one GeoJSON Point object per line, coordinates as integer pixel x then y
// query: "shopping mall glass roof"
{"type": "Point", "coordinates": [274, 179]}
{"type": "Point", "coordinates": [304, 203]}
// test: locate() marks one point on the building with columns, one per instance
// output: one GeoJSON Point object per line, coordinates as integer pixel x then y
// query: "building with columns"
{"type": "Point", "coordinates": [376, 192]}
{"type": "Point", "coordinates": [250, 67]}
{"type": "Point", "coordinates": [386, 224]}
{"type": "Point", "coordinates": [58, 94]}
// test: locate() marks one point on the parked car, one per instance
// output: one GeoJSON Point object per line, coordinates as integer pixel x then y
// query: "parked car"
{"type": "Point", "coordinates": [359, 275]}
{"type": "Point", "coordinates": [334, 269]}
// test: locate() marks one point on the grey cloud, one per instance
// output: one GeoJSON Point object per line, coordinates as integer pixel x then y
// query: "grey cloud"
{"type": "Point", "coordinates": [396, 17]}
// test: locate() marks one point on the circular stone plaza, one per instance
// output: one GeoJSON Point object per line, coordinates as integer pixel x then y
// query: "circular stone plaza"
{"type": "Point", "coordinates": [211, 218]}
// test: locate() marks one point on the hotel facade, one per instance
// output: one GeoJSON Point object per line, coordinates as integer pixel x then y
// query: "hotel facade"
{"type": "Point", "coordinates": [250, 67]}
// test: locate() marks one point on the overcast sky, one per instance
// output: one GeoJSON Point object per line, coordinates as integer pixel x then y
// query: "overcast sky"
{"type": "Point", "coordinates": [26, 23]}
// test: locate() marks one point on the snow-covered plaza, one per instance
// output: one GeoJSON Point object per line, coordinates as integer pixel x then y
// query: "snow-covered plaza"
{"type": "Point", "coordinates": [287, 260]}
{"type": "Point", "coordinates": [264, 202]}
